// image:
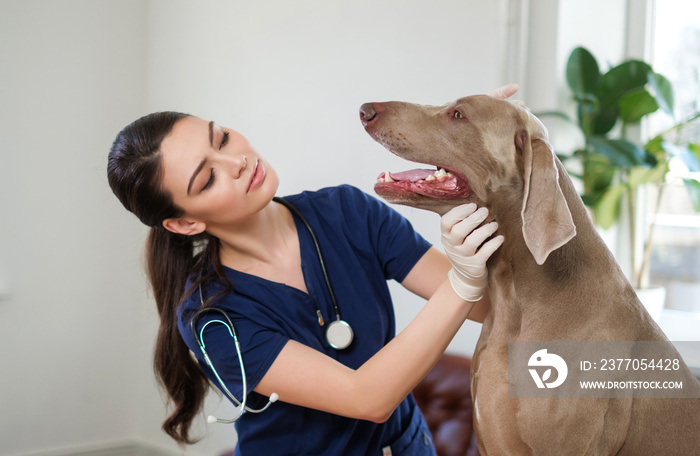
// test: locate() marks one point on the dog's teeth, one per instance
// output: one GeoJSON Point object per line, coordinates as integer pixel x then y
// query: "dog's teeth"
{"type": "Point", "coordinates": [440, 173]}
{"type": "Point", "coordinates": [449, 174]}
{"type": "Point", "coordinates": [430, 178]}
{"type": "Point", "coordinates": [387, 177]}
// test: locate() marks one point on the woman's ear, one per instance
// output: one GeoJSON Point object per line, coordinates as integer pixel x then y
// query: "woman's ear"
{"type": "Point", "coordinates": [184, 226]}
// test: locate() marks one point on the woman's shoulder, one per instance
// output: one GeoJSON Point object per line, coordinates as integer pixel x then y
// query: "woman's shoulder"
{"type": "Point", "coordinates": [342, 197]}
{"type": "Point", "coordinates": [342, 191]}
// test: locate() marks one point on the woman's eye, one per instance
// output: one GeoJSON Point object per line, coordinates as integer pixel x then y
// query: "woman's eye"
{"type": "Point", "coordinates": [224, 140]}
{"type": "Point", "coordinates": [210, 182]}
{"type": "Point", "coordinates": [458, 115]}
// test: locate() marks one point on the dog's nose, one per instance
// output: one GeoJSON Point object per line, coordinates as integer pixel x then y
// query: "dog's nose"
{"type": "Point", "coordinates": [367, 113]}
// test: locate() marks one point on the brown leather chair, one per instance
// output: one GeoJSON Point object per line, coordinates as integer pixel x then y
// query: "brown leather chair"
{"type": "Point", "coordinates": [444, 397]}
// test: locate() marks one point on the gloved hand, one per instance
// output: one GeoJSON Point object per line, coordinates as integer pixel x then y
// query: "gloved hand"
{"type": "Point", "coordinates": [461, 239]}
{"type": "Point", "coordinates": [507, 91]}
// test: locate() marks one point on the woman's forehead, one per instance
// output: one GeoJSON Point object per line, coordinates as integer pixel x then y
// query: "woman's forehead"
{"type": "Point", "coordinates": [183, 149]}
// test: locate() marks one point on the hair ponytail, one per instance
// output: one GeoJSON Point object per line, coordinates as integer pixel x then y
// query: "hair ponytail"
{"type": "Point", "coordinates": [134, 171]}
{"type": "Point", "coordinates": [169, 260]}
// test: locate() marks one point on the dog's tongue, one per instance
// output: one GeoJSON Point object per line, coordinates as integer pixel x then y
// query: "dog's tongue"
{"type": "Point", "coordinates": [433, 183]}
{"type": "Point", "coordinates": [413, 175]}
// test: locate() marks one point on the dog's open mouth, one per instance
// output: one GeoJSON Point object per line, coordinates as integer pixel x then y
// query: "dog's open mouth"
{"type": "Point", "coordinates": [438, 184]}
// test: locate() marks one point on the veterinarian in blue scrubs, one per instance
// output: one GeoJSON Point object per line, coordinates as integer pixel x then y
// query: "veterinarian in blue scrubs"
{"type": "Point", "coordinates": [218, 239]}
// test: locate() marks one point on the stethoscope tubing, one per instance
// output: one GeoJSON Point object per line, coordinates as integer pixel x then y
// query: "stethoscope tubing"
{"type": "Point", "coordinates": [317, 246]}
{"type": "Point", "coordinates": [339, 334]}
{"type": "Point", "coordinates": [241, 406]}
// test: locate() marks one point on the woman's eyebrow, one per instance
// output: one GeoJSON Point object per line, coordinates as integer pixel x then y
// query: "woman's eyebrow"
{"type": "Point", "coordinates": [201, 164]}
{"type": "Point", "coordinates": [194, 174]}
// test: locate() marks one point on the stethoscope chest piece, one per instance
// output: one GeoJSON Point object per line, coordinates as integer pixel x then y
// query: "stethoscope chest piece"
{"type": "Point", "coordinates": [339, 335]}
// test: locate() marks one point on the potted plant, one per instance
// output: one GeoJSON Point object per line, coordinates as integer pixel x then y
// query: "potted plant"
{"type": "Point", "coordinates": [611, 164]}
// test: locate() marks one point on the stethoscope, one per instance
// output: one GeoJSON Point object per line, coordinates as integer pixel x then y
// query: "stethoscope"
{"type": "Point", "coordinates": [339, 334]}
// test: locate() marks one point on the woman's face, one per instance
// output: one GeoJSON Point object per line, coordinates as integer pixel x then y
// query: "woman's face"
{"type": "Point", "coordinates": [214, 175]}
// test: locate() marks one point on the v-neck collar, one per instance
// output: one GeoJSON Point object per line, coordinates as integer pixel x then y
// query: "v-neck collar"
{"type": "Point", "coordinates": [310, 269]}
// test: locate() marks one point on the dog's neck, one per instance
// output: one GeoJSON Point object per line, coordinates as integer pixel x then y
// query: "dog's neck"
{"type": "Point", "coordinates": [565, 268]}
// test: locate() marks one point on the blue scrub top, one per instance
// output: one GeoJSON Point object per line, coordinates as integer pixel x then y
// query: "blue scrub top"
{"type": "Point", "coordinates": [364, 243]}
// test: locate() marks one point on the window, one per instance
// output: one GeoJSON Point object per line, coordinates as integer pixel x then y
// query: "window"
{"type": "Point", "coordinates": [675, 254]}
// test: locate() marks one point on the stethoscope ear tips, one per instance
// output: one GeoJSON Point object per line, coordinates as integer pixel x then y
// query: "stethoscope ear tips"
{"type": "Point", "coordinates": [212, 419]}
{"type": "Point", "coordinates": [274, 397]}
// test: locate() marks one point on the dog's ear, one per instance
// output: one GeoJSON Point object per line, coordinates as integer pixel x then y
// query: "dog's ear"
{"type": "Point", "coordinates": [547, 221]}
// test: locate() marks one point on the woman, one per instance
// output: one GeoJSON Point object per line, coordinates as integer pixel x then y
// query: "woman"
{"type": "Point", "coordinates": [218, 239]}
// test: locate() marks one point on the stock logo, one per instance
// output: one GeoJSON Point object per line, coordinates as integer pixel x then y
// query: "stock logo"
{"type": "Point", "coordinates": [542, 359]}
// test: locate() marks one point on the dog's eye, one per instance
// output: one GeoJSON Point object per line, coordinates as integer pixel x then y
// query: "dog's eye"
{"type": "Point", "coordinates": [458, 115]}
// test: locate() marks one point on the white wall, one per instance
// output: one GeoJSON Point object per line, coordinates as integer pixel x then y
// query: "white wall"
{"type": "Point", "coordinates": [77, 330]}
{"type": "Point", "coordinates": [77, 327]}
{"type": "Point", "coordinates": [72, 73]}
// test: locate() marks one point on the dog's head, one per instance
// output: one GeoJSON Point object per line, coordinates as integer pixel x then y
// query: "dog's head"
{"type": "Point", "coordinates": [484, 150]}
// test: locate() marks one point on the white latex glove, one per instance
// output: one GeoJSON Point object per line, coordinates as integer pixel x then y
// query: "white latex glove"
{"type": "Point", "coordinates": [462, 240]}
{"type": "Point", "coordinates": [505, 91]}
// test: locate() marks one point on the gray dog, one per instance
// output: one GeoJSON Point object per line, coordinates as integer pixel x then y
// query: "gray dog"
{"type": "Point", "coordinates": [552, 279]}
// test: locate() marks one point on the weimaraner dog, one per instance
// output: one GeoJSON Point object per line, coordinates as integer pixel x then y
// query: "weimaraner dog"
{"type": "Point", "coordinates": [552, 279]}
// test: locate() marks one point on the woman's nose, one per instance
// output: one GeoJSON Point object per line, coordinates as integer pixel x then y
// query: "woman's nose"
{"type": "Point", "coordinates": [237, 164]}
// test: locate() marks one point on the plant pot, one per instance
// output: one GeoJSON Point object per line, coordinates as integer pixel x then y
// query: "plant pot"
{"type": "Point", "coordinates": [653, 299]}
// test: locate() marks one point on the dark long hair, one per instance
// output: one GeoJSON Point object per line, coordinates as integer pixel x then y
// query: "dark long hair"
{"type": "Point", "coordinates": [135, 171]}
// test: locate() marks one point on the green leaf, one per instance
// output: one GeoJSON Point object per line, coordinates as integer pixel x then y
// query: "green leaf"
{"type": "Point", "coordinates": [636, 105]}
{"type": "Point", "coordinates": [597, 177]}
{"type": "Point", "coordinates": [641, 175]}
{"type": "Point", "coordinates": [628, 76]}
{"type": "Point", "coordinates": [651, 160]}
{"type": "Point", "coordinates": [694, 148]}
{"type": "Point", "coordinates": [582, 73]}
{"type": "Point", "coordinates": [589, 200]}
{"type": "Point", "coordinates": [585, 111]}
{"type": "Point", "coordinates": [693, 188]}
{"type": "Point", "coordinates": [658, 173]}
{"type": "Point", "coordinates": [604, 121]}
{"type": "Point", "coordinates": [662, 91]}
{"type": "Point", "coordinates": [655, 146]}
{"type": "Point", "coordinates": [608, 209]}
{"type": "Point", "coordinates": [619, 151]}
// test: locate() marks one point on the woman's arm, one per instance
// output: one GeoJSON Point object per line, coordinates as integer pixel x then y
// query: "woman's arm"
{"type": "Point", "coordinates": [303, 376]}
{"type": "Point", "coordinates": [427, 275]}
{"type": "Point", "coordinates": [306, 377]}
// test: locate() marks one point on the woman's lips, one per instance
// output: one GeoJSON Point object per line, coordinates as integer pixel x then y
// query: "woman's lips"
{"type": "Point", "coordinates": [258, 176]}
